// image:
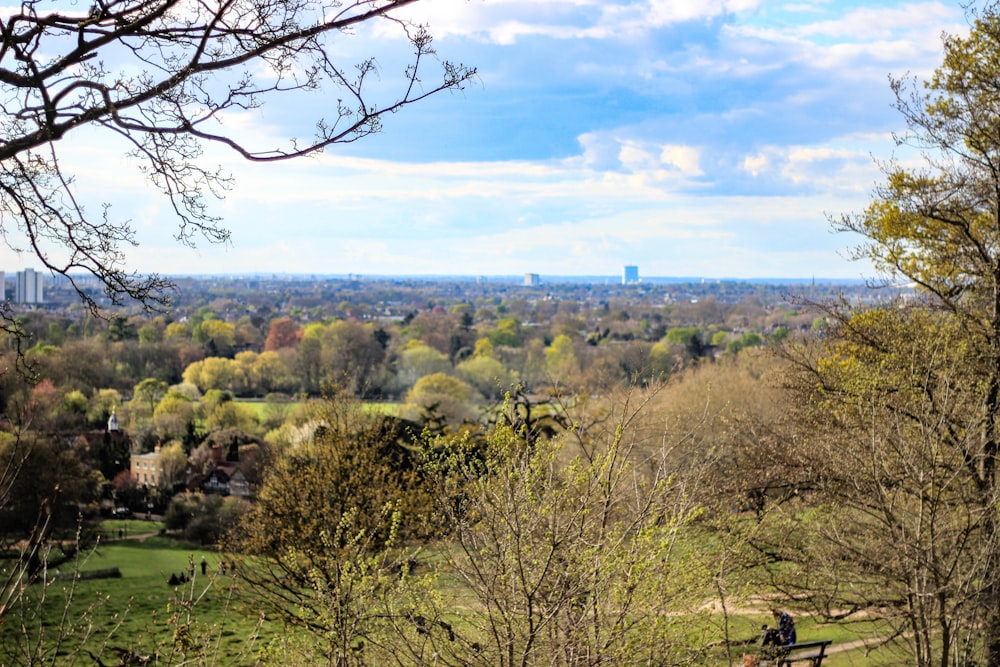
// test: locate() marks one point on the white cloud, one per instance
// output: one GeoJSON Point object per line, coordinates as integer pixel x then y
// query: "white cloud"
{"type": "Point", "coordinates": [685, 158]}
{"type": "Point", "coordinates": [842, 167]}
{"type": "Point", "coordinates": [883, 23]}
{"type": "Point", "coordinates": [506, 21]}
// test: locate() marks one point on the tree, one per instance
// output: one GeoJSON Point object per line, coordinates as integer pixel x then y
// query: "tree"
{"type": "Point", "coordinates": [441, 396]}
{"type": "Point", "coordinates": [417, 359]}
{"type": "Point", "coordinates": [560, 358]}
{"type": "Point", "coordinates": [351, 354]}
{"type": "Point", "coordinates": [938, 226]}
{"type": "Point", "coordinates": [570, 563]}
{"type": "Point", "coordinates": [163, 80]}
{"type": "Point", "coordinates": [217, 336]}
{"type": "Point", "coordinates": [212, 373]}
{"type": "Point", "coordinates": [174, 416]}
{"type": "Point", "coordinates": [150, 391]}
{"type": "Point", "coordinates": [894, 526]}
{"type": "Point", "coordinates": [487, 375]}
{"type": "Point", "coordinates": [173, 464]}
{"type": "Point", "coordinates": [283, 332]}
{"type": "Point", "coordinates": [103, 403]}
{"type": "Point", "coordinates": [44, 488]}
{"type": "Point", "coordinates": [230, 414]}
{"type": "Point", "coordinates": [325, 535]}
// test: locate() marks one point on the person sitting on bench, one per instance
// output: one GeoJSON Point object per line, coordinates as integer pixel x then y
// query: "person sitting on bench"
{"type": "Point", "coordinates": [786, 627]}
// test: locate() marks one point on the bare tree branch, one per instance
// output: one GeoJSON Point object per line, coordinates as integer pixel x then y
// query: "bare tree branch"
{"type": "Point", "coordinates": [157, 73]}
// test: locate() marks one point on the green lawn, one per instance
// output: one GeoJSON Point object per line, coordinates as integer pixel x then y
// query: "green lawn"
{"type": "Point", "coordinates": [140, 611]}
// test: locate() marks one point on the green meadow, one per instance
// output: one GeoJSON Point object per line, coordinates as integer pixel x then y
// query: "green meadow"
{"type": "Point", "coordinates": [140, 611]}
{"type": "Point", "coordinates": [201, 622]}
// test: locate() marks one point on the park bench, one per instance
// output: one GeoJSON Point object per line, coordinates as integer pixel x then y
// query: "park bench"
{"type": "Point", "coordinates": [810, 652]}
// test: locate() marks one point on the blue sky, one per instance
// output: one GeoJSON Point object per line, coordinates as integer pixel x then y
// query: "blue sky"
{"type": "Point", "coordinates": [705, 138]}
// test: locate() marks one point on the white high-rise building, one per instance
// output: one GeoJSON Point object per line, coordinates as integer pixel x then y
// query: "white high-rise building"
{"type": "Point", "coordinates": [630, 275]}
{"type": "Point", "coordinates": [29, 287]}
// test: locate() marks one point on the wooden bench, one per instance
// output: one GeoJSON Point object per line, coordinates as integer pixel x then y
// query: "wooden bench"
{"type": "Point", "coordinates": [811, 652]}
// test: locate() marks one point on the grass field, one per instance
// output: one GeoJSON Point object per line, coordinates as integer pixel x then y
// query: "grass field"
{"type": "Point", "coordinates": [140, 611]}
{"type": "Point", "coordinates": [198, 621]}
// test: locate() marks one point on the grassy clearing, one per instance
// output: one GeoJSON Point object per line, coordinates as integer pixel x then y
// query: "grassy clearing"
{"type": "Point", "coordinates": [141, 612]}
{"type": "Point", "coordinates": [116, 529]}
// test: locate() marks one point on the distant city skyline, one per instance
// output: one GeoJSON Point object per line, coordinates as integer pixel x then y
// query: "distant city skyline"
{"type": "Point", "coordinates": [710, 138]}
{"type": "Point", "coordinates": [536, 279]}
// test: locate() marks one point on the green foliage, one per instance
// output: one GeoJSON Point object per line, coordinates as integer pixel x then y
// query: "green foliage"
{"type": "Point", "coordinates": [326, 529]}
{"type": "Point", "coordinates": [488, 375]}
{"type": "Point", "coordinates": [568, 559]}
{"type": "Point", "coordinates": [748, 339]}
{"type": "Point", "coordinates": [507, 333]}
{"type": "Point", "coordinates": [120, 329]}
{"type": "Point", "coordinates": [174, 415]}
{"type": "Point", "coordinates": [682, 335]}
{"type": "Point", "coordinates": [440, 395]}
{"type": "Point", "coordinates": [560, 357]}
{"type": "Point", "coordinates": [778, 335]}
{"type": "Point", "coordinates": [418, 360]}
{"type": "Point", "coordinates": [136, 615]}
{"type": "Point", "coordinates": [203, 518]}
{"type": "Point", "coordinates": [231, 415]}
{"type": "Point", "coordinates": [149, 392]}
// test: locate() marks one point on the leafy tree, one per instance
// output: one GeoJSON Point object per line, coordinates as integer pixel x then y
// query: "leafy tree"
{"type": "Point", "coordinates": [173, 464]}
{"type": "Point", "coordinates": [325, 535]}
{"type": "Point", "coordinates": [217, 336]}
{"type": "Point", "coordinates": [662, 360]}
{"type": "Point", "coordinates": [261, 374]}
{"type": "Point", "coordinates": [574, 559]}
{"type": "Point", "coordinates": [560, 358]}
{"type": "Point", "coordinates": [203, 518]}
{"type": "Point", "coordinates": [120, 328]}
{"type": "Point", "coordinates": [417, 359]}
{"type": "Point", "coordinates": [351, 355]}
{"type": "Point", "coordinates": [892, 525]}
{"type": "Point", "coordinates": [212, 373]}
{"type": "Point", "coordinates": [76, 402]}
{"type": "Point", "coordinates": [150, 333]}
{"type": "Point", "coordinates": [283, 332]}
{"type": "Point", "coordinates": [102, 403]}
{"type": "Point", "coordinates": [231, 414]}
{"type": "Point", "coordinates": [174, 416]}
{"type": "Point", "coordinates": [487, 375]}
{"type": "Point", "coordinates": [507, 333]}
{"type": "Point", "coordinates": [157, 79]}
{"type": "Point", "coordinates": [749, 339]}
{"type": "Point", "coordinates": [150, 392]}
{"type": "Point", "coordinates": [44, 490]}
{"type": "Point", "coordinates": [179, 330]}
{"type": "Point", "coordinates": [442, 396]}
{"type": "Point", "coordinates": [938, 226]}
{"type": "Point", "coordinates": [309, 364]}
{"type": "Point", "coordinates": [483, 348]}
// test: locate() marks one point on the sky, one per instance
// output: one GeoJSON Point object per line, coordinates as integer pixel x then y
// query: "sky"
{"type": "Point", "coordinates": [695, 138]}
